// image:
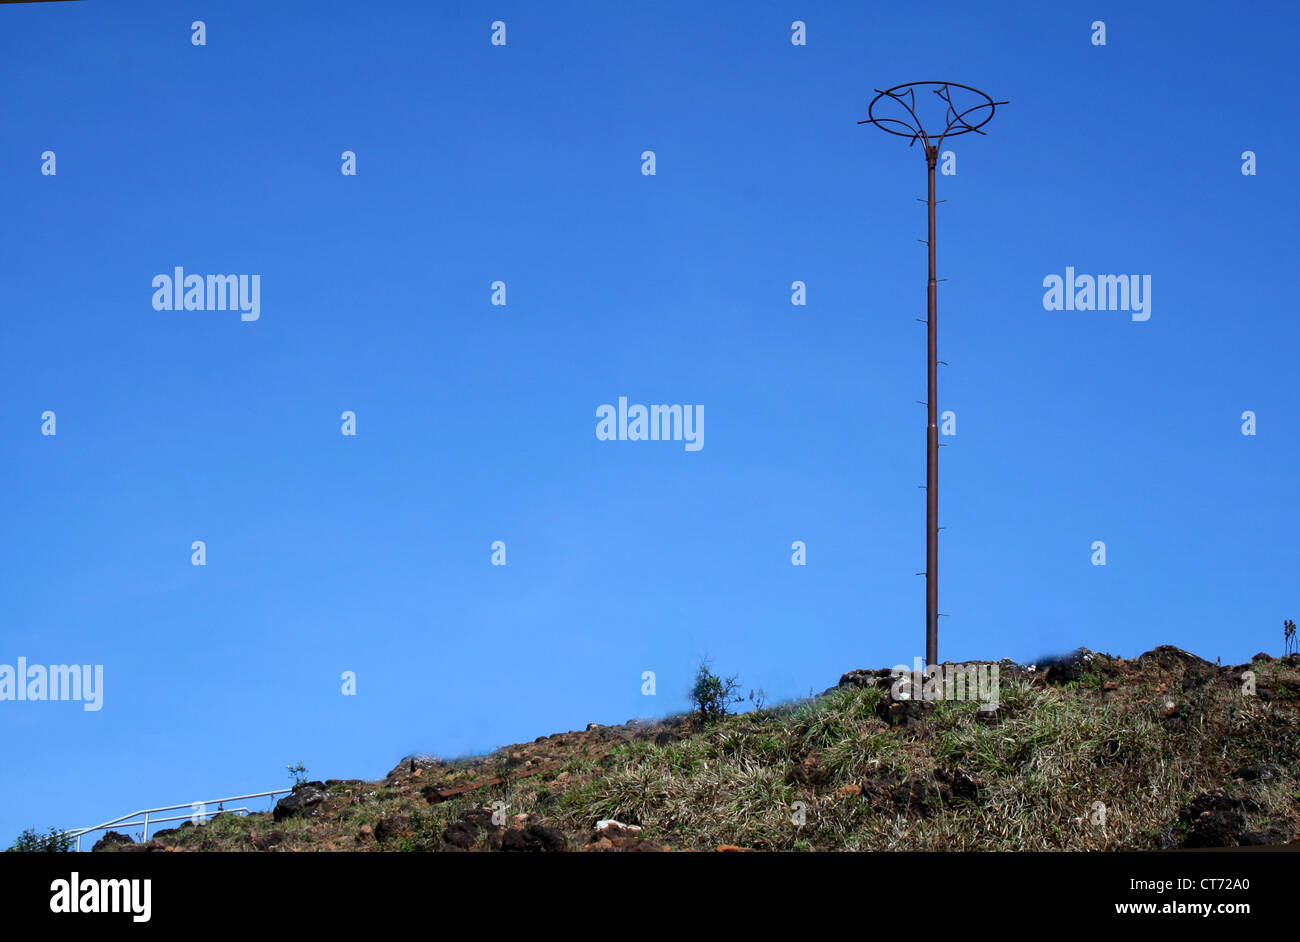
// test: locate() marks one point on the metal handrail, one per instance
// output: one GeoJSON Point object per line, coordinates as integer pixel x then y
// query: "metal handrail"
{"type": "Point", "coordinates": [198, 810]}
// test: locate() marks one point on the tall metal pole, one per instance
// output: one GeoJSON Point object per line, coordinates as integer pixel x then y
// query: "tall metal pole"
{"type": "Point", "coordinates": [954, 118]}
{"type": "Point", "coordinates": [932, 445]}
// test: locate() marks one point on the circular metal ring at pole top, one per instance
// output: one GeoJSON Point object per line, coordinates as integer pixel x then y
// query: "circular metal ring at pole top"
{"type": "Point", "coordinates": [956, 118]}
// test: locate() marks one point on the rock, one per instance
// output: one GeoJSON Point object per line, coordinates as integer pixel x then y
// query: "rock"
{"type": "Point", "coordinates": [459, 834]}
{"type": "Point", "coordinates": [1008, 666]}
{"type": "Point", "coordinates": [862, 678]}
{"type": "Point", "coordinates": [881, 786]}
{"type": "Point", "coordinates": [304, 801]}
{"type": "Point", "coordinates": [919, 792]}
{"type": "Point", "coordinates": [1258, 773]}
{"type": "Point", "coordinates": [1171, 658]}
{"type": "Point", "coordinates": [906, 714]}
{"type": "Point", "coordinates": [1066, 668]}
{"type": "Point", "coordinates": [390, 826]}
{"type": "Point", "coordinates": [268, 840]}
{"type": "Point", "coordinates": [732, 849]}
{"type": "Point", "coordinates": [139, 848]}
{"type": "Point", "coordinates": [635, 845]}
{"type": "Point", "coordinates": [1215, 819]}
{"type": "Point", "coordinates": [535, 838]}
{"type": "Point", "coordinates": [464, 832]}
{"type": "Point", "coordinates": [962, 784]}
{"type": "Point", "coordinates": [1267, 837]}
{"type": "Point", "coordinates": [111, 841]}
{"type": "Point", "coordinates": [412, 764]}
{"type": "Point", "coordinates": [611, 828]}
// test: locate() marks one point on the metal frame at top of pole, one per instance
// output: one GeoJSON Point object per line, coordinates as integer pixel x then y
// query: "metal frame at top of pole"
{"type": "Point", "coordinates": [955, 121]}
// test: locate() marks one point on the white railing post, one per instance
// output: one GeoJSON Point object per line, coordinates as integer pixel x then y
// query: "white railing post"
{"type": "Point", "coordinates": [145, 838]}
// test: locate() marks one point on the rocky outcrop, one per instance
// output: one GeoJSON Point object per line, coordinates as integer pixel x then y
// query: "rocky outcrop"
{"type": "Point", "coordinates": [111, 841]}
{"type": "Point", "coordinates": [1066, 668]}
{"type": "Point", "coordinates": [1170, 658]}
{"type": "Point", "coordinates": [534, 838]}
{"type": "Point", "coordinates": [304, 801]}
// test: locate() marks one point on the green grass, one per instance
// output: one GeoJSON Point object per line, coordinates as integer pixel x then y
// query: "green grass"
{"type": "Point", "coordinates": [783, 778]}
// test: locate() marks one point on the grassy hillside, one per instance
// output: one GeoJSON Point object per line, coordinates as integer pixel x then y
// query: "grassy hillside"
{"type": "Point", "coordinates": [1089, 753]}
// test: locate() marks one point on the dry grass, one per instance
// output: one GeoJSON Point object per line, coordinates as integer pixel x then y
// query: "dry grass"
{"type": "Point", "coordinates": [1034, 781]}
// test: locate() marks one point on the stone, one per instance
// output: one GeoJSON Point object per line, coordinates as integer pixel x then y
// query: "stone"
{"type": "Point", "coordinates": [632, 845]}
{"type": "Point", "coordinates": [1265, 772]}
{"type": "Point", "coordinates": [1066, 668]}
{"type": "Point", "coordinates": [906, 714]}
{"type": "Point", "coordinates": [463, 832]}
{"type": "Point", "coordinates": [535, 838]}
{"type": "Point", "coordinates": [412, 764]}
{"type": "Point", "coordinates": [962, 784]}
{"type": "Point", "coordinates": [391, 826]}
{"type": "Point", "coordinates": [111, 841]}
{"type": "Point", "coordinates": [617, 828]}
{"type": "Point", "coordinates": [1216, 819]}
{"type": "Point", "coordinates": [864, 678]}
{"type": "Point", "coordinates": [1171, 658]}
{"type": "Point", "coordinates": [304, 801]}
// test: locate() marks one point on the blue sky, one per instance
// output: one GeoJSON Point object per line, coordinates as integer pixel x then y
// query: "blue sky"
{"type": "Point", "coordinates": [476, 423]}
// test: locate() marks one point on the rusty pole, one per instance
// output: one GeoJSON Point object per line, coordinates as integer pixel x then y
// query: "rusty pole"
{"type": "Point", "coordinates": [932, 442]}
{"type": "Point", "coordinates": [907, 122]}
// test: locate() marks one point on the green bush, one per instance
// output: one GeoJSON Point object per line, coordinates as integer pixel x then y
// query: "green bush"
{"type": "Point", "coordinates": [56, 842]}
{"type": "Point", "coordinates": [712, 695]}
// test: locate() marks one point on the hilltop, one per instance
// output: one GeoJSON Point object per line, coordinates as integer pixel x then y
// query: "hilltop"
{"type": "Point", "coordinates": [1085, 752]}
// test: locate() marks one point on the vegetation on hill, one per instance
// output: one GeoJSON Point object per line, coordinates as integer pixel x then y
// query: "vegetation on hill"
{"type": "Point", "coordinates": [1089, 752]}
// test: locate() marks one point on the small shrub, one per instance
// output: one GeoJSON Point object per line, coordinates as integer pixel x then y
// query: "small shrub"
{"type": "Point", "coordinates": [712, 695]}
